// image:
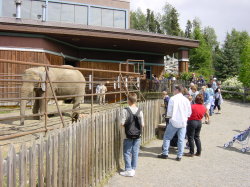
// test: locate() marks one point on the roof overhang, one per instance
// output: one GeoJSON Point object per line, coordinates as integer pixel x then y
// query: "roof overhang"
{"type": "Point", "coordinates": [100, 37]}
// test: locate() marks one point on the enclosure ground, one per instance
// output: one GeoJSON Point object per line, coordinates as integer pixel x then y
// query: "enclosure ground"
{"type": "Point", "coordinates": [216, 167]}
{"type": "Point", "coordinates": [13, 127]}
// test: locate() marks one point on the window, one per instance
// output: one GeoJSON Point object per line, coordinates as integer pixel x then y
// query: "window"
{"type": "Point", "coordinates": [8, 8]}
{"type": "Point", "coordinates": [81, 15]}
{"type": "Point", "coordinates": [68, 13]}
{"type": "Point", "coordinates": [54, 12]}
{"type": "Point", "coordinates": [36, 9]}
{"type": "Point", "coordinates": [119, 19]}
{"type": "Point", "coordinates": [96, 16]}
{"type": "Point", "coordinates": [107, 18]}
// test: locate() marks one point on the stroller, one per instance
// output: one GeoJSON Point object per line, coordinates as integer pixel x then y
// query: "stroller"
{"type": "Point", "coordinates": [242, 138]}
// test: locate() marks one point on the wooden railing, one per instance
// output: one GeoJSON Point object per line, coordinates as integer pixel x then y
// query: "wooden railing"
{"type": "Point", "coordinates": [83, 154]}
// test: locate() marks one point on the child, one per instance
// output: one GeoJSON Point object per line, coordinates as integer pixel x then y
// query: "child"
{"type": "Point", "coordinates": [218, 100]}
{"type": "Point", "coordinates": [132, 121]}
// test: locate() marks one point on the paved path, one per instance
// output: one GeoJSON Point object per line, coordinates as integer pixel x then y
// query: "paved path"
{"type": "Point", "coordinates": [216, 167]}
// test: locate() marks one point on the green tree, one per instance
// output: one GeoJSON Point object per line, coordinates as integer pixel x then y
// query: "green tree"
{"type": "Point", "coordinates": [244, 74]}
{"type": "Point", "coordinates": [170, 21]}
{"type": "Point", "coordinates": [201, 57]}
{"type": "Point", "coordinates": [188, 30]}
{"type": "Point", "coordinates": [218, 63]}
{"type": "Point", "coordinates": [210, 37]}
{"type": "Point", "coordinates": [138, 20]}
{"type": "Point", "coordinates": [151, 21]}
{"type": "Point", "coordinates": [231, 52]}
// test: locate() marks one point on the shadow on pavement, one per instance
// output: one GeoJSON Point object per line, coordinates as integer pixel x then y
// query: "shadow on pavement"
{"type": "Point", "coordinates": [154, 151]}
{"type": "Point", "coordinates": [233, 149]}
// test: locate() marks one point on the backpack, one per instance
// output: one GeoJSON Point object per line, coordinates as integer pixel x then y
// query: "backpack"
{"type": "Point", "coordinates": [133, 125]}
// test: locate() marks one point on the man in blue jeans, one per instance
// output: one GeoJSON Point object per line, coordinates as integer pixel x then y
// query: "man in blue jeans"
{"type": "Point", "coordinates": [179, 109]}
{"type": "Point", "coordinates": [132, 121]}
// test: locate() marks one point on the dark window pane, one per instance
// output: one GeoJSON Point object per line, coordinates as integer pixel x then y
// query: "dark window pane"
{"type": "Point", "coordinates": [95, 16]}
{"type": "Point", "coordinates": [68, 13]}
{"type": "Point", "coordinates": [54, 12]}
{"type": "Point", "coordinates": [36, 9]}
{"type": "Point", "coordinates": [81, 14]}
{"type": "Point", "coordinates": [119, 19]}
{"type": "Point", "coordinates": [8, 8]}
{"type": "Point", "coordinates": [107, 18]}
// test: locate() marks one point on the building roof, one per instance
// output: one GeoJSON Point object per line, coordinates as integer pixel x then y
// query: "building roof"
{"type": "Point", "coordinates": [100, 37]}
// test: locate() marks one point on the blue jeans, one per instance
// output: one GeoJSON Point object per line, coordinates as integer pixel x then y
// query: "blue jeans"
{"type": "Point", "coordinates": [211, 110]}
{"type": "Point", "coordinates": [168, 136]}
{"type": "Point", "coordinates": [130, 152]}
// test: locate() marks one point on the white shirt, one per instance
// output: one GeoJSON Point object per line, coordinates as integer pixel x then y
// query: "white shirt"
{"type": "Point", "coordinates": [103, 89]}
{"type": "Point", "coordinates": [98, 89]}
{"type": "Point", "coordinates": [179, 110]}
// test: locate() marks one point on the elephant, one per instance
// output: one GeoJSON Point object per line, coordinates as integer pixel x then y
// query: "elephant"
{"type": "Point", "coordinates": [60, 89]}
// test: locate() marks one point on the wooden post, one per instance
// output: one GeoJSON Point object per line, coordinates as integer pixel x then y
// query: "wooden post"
{"type": "Point", "coordinates": [1, 169]}
{"type": "Point", "coordinates": [54, 95]}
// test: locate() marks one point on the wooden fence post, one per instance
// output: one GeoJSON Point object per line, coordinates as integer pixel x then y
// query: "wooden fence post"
{"type": "Point", "coordinates": [1, 169]}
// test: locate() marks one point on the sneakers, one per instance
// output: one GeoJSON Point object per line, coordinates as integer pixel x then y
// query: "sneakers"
{"type": "Point", "coordinates": [178, 159]}
{"type": "Point", "coordinates": [188, 154]}
{"type": "Point", "coordinates": [129, 173]}
{"type": "Point", "coordinates": [197, 154]}
{"type": "Point", "coordinates": [162, 156]}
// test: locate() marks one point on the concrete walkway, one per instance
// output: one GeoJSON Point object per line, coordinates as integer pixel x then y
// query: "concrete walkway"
{"type": "Point", "coordinates": [216, 167]}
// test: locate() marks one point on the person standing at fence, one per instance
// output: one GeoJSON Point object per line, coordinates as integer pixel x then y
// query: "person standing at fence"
{"type": "Point", "coordinates": [97, 91]}
{"type": "Point", "coordinates": [179, 109]}
{"type": "Point", "coordinates": [194, 126]}
{"type": "Point", "coordinates": [214, 83]}
{"type": "Point", "coordinates": [194, 93]}
{"type": "Point", "coordinates": [165, 105]}
{"type": "Point", "coordinates": [133, 122]}
{"type": "Point", "coordinates": [103, 90]}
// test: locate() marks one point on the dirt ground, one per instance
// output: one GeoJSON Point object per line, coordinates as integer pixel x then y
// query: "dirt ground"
{"type": "Point", "coordinates": [12, 127]}
{"type": "Point", "coordinates": [216, 167]}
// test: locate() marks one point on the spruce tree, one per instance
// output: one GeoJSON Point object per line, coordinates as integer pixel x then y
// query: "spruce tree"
{"type": "Point", "coordinates": [244, 74]}
{"type": "Point", "coordinates": [188, 30]}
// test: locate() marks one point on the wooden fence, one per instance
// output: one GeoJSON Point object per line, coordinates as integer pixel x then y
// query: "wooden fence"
{"type": "Point", "coordinates": [83, 154]}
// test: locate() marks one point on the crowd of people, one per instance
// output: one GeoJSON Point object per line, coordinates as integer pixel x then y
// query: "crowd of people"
{"type": "Point", "coordinates": [184, 112]}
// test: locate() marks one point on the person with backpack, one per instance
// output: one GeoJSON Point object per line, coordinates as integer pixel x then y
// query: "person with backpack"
{"type": "Point", "coordinates": [179, 110]}
{"type": "Point", "coordinates": [133, 122]}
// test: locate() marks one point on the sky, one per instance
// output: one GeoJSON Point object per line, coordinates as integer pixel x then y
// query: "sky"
{"type": "Point", "coordinates": [222, 15]}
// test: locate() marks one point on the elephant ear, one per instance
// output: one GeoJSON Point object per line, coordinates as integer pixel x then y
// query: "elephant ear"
{"type": "Point", "coordinates": [43, 79]}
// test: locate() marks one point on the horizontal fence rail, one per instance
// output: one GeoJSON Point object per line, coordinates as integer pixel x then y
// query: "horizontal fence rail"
{"type": "Point", "coordinates": [83, 154]}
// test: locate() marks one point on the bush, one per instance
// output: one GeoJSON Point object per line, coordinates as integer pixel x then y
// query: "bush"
{"type": "Point", "coordinates": [186, 76]}
{"type": "Point", "coordinates": [232, 82]}
{"type": "Point", "coordinates": [233, 85]}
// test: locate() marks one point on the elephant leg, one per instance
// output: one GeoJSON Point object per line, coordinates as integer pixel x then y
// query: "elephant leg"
{"type": "Point", "coordinates": [35, 109]}
{"type": "Point", "coordinates": [42, 108]}
{"type": "Point", "coordinates": [77, 102]}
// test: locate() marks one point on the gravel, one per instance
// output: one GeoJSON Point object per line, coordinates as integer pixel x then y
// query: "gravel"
{"type": "Point", "coordinates": [217, 166]}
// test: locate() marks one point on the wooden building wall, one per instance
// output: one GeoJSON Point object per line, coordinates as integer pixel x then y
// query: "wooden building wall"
{"type": "Point", "coordinates": [158, 70]}
{"type": "Point", "coordinates": [15, 71]}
